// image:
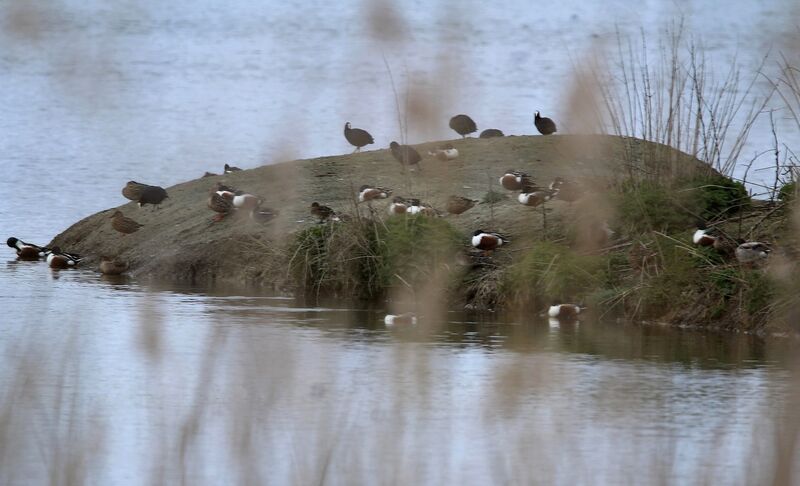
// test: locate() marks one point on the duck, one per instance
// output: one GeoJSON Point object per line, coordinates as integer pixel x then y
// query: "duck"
{"type": "Point", "coordinates": [531, 196]}
{"type": "Point", "coordinates": [568, 191]}
{"type": "Point", "coordinates": [124, 224]}
{"type": "Point", "coordinates": [243, 200]}
{"type": "Point", "coordinates": [223, 190]}
{"type": "Point", "coordinates": [463, 125]}
{"type": "Point", "coordinates": [564, 311]}
{"type": "Point", "coordinates": [515, 180]}
{"type": "Point", "coordinates": [109, 266]}
{"type": "Point", "coordinates": [221, 202]}
{"type": "Point", "coordinates": [133, 190]}
{"type": "Point", "coordinates": [324, 213]}
{"type": "Point", "coordinates": [26, 251]}
{"type": "Point", "coordinates": [405, 154]}
{"type": "Point", "coordinates": [444, 152]}
{"type": "Point", "coordinates": [752, 252]}
{"type": "Point", "coordinates": [368, 193]}
{"type": "Point", "coordinates": [545, 125]}
{"type": "Point", "coordinates": [459, 204]}
{"type": "Point", "coordinates": [488, 241]}
{"type": "Point", "coordinates": [405, 319]}
{"type": "Point", "coordinates": [703, 237]}
{"type": "Point", "coordinates": [154, 195]}
{"type": "Point", "coordinates": [398, 206]}
{"type": "Point", "coordinates": [491, 133]}
{"type": "Point", "coordinates": [229, 168]}
{"type": "Point", "coordinates": [58, 259]}
{"type": "Point", "coordinates": [418, 207]}
{"type": "Point", "coordinates": [357, 137]}
{"type": "Point", "coordinates": [262, 215]}
{"type": "Point", "coordinates": [209, 174]}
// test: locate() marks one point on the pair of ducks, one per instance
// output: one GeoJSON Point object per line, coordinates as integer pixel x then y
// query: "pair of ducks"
{"type": "Point", "coordinates": [455, 204]}
{"type": "Point", "coordinates": [55, 257]}
{"type": "Point", "coordinates": [560, 312]}
{"type": "Point", "coordinates": [531, 195]}
{"type": "Point", "coordinates": [746, 252]}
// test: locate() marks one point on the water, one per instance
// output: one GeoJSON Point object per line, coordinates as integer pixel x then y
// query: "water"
{"type": "Point", "coordinates": [116, 382]}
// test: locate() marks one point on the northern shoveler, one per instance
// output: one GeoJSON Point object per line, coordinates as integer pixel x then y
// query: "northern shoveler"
{"type": "Point", "coordinates": [444, 152]}
{"type": "Point", "coordinates": [488, 241]}
{"type": "Point", "coordinates": [124, 224]}
{"type": "Point", "coordinates": [59, 259]}
{"type": "Point", "coordinates": [405, 319]}
{"type": "Point", "coordinates": [515, 180]}
{"type": "Point", "coordinates": [398, 206]}
{"type": "Point", "coordinates": [545, 125]}
{"type": "Point", "coordinates": [368, 193]}
{"type": "Point", "coordinates": [463, 125]}
{"type": "Point", "coordinates": [242, 200]}
{"type": "Point", "coordinates": [324, 213]}
{"type": "Point", "coordinates": [357, 137]}
{"type": "Point", "coordinates": [459, 204]}
{"type": "Point", "coordinates": [564, 311]}
{"type": "Point", "coordinates": [534, 197]}
{"type": "Point", "coordinates": [26, 251]}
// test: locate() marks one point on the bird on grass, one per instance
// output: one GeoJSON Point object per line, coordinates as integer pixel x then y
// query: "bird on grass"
{"type": "Point", "coordinates": [545, 125]}
{"type": "Point", "coordinates": [703, 236]}
{"type": "Point", "coordinates": [229, 168]}
{"type": "Point", "coordinates": [243, 200]}
{"type": "Point", "coordinates": [515, 180]}
{"type": "Point", "coordinates": [405, 154]}
{"type": "Point", "coordinates": [357, 137]}
{"type": "Point", "coordinates": [398, 206]}
{"type": "Point", "coordinates": [324, 213]}
{"type": "Point", "coordinates": [564, 311]}
{"type": "Point", "coordinates": [491, 133]}
{"type": "Point", "coordinates": [59, 259]}
{"type": "Point", "coordinates": [368, 193]}
{"type": "Point", "coordinates": [459, 204]}
{"type": "Point", "coordinates": [488, 241]}
{"type": "Point", "coordinates": [123, 224]}
{"type": "Point", "coordinates": [221, 202]}
{"type": "Point", "coordinates": [424, 209]}
{"type": "Point", "coordinates": [463, 125]}
{"type": "Point", "coordinates": [110, 266]}
{"type": "Point", "coordinates": [532, 196]}
{"type": "Point", "coordinates": [26, 251]}
{"type": "Point", "coordinates": [444, 152]}
{"type": "Point", "coordinates": [405, 319]}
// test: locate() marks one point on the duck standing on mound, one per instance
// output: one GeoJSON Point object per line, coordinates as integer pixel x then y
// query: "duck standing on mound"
{"type": "Point", "coordinates": [26, 251]}
{"type": "Point", "coordinates": [488, 241]}
{"type": "Point", "coordinates": [221, 202]}
{"type": "Point", "coordinates": [154, 195]}
{"type": "Point", "coordinates": [405, 154]}
{"type": "Point", "coordinates": [357, 137]}
{"type": "Point", "coordinates": [133, 190]}
{"type": "Point", "coordinates": [545, 125]}
{"type": "Point", "coordinates": [463, 125]}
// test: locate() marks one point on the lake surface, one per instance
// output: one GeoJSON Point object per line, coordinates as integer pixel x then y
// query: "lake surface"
{"type": "Point", "coordinates": [117, 382]}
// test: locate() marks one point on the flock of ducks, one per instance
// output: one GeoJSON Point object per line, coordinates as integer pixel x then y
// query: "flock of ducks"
{"type": "Point", "coordinates": [225, 201]}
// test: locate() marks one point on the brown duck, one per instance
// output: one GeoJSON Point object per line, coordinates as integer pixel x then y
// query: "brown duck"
{"type": "Point", "coordinates": [109, 266]}
{"type": "Point", "coordinates": [459, 204]}
{"type": "Point", "coordinates": [221, 203]}
{"type": "Point", "coordinates": [124, 224]}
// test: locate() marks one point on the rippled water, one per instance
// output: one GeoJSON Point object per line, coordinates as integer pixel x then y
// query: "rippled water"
{"type": "Point", "coordinates": [116, 382]}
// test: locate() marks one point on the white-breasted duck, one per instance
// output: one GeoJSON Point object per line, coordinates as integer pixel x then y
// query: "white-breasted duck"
{"type": "Point", "coordinates": [405, 319]}
{"type": "Point", "coordinates": [368, 193]}
{"type": "Point", "coordinates": [564, 311]}
{"type": "Point", "coordinates": [357, 137]}
{"type": "Point", "coordinates": [398, 206]}
{"type": "Point", "coordinates": [459, 204]}
{"type": "Point", "coordinates": [59, 259]}
{"type": "Point", "coordinates": [752, 252]}
{"type": "Point", "coordinates": [444, 152]}
{"type": "Point", "coordinates": [463, 125]}
{"type": "Point", "coordinates": [533, 196]}
{"type": "Point", "coordinates": [545, 125]}
{"type": "Point", "coordinates": [491, 133]}
{"type": "Point", "coordinates": [704, 236]}
{"type": "Point", "coordinates": [243, 200]}
{"type": "Point", "coordinates": [26, 251]}
{"type": "Point", "coordinates": [515, 180]}
{"type": "Point", "coordinates": [488, 241]}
